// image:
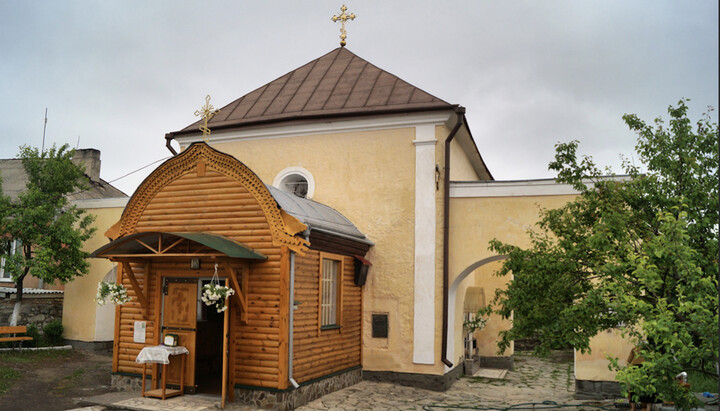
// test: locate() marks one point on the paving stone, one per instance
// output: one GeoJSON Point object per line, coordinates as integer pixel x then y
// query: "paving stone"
{"type": "Point", "coordinates": [534, 380]}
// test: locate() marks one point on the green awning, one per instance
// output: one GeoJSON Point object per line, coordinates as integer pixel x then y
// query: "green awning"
{"type": "Point", "coordinates": [159, 244]}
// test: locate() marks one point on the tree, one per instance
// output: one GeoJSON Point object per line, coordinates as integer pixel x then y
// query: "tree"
{"type": "Point", "coordinates": [636, 253]}
{"type": "Point", "coordinates": [50, 232]}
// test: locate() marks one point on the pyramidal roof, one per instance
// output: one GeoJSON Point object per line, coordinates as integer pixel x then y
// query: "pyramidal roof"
{"type": "Point", "coordinates": [337, 84]}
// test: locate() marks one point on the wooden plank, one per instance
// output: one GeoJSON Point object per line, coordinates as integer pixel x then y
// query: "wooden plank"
{"type": "Point", "coordinates": [232, 359]}
{"type": "Point", "coordinates": [16, 329]}
{"type": "Point", "coordinates": [225, 352]}
{"type": "Point", "coordinates": [156, 205]}
{"type": "Point", "coordinates": [7, 339]}
{"type": "Point", "coordinates": [156, 320]}
{"type": "Point", "coordinates": [240, 292]}
{"type": "Point", "coordinates": [116, 339]}
{"type": "Point", "coordinates": [136, 287]}
{"type": "Point", "coordinates": [146, 246]}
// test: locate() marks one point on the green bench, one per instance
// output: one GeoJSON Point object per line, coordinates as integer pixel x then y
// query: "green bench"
{"type": "Point", "coordinates": [17, 334]}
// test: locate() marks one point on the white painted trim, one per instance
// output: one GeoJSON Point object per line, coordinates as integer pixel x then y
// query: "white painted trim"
{"type": "Point", "coordinates": [450, 339]}
{"type": "Point", "coordinates": [425, 226]}
{"type": "Point", "coordinates": [523, 188]}
{"type": "Point", "coordinates": [452, 298]}
{"type": "Point", "coordinates": [313, 128]}
{"type": "Point", "coordinates": [111, 202]}
{"type": "Point", "coordinates": [286, 172]}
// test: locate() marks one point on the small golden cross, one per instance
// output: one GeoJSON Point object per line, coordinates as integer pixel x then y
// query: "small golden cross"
{"type": "Point", "coordinates": [207, 112]}
{"type": "Point", "coordinates": [343, 18]}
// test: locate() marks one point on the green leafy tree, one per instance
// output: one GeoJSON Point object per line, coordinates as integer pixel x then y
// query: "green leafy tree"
{"type": "Point", "coordinates": [637, 253]}
{"type": "Point", "coordinates": [49, 230]}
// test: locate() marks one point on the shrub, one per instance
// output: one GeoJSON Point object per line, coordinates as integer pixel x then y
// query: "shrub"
{"type": "Point", "coordinates": [32, 331]}
{"type": "Point", "coordinates": [53, 332]}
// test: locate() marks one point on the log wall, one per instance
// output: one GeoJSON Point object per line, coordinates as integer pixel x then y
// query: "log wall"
{"type": "Point", "coordinates": [318, 353]}
{"type": "Point", "coordinates": [213, 203]}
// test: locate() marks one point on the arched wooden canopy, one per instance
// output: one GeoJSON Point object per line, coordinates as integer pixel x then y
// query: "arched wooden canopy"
{"type": "Point", "coordinates": [200, 157]}
{"type": "Point", "coordinates": [153, 244]}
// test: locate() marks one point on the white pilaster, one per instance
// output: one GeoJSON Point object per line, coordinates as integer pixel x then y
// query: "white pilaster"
{"type": "Point", "coordinates": [424, 285]}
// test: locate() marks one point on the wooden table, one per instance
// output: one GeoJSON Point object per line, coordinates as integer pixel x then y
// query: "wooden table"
{"type": "Point", "coordinates": [160, 354]}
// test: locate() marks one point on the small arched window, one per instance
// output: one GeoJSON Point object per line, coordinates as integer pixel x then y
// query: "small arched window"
{"type": "Point", "coordinates": [297, 181]}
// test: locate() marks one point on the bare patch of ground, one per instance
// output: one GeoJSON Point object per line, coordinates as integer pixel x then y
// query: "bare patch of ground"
{"type": "Point", "coordinates": [49, 380]}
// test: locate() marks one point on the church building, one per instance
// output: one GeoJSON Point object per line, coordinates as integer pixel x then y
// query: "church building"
{"type": "Point", "coordinates": [349, 211]}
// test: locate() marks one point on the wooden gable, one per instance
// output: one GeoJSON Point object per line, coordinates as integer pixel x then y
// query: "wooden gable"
{"type": "Point", "coordinates": [203, 189]}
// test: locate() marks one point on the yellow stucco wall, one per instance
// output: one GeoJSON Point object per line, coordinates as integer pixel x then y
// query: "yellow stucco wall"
{"type": "Point", "coordinates": [80, 311]}
{"type": "Point", "coordinates": [460, 167]}
{"type": "Point", "coordinates": [473, 223]}
{"type": "Point", "coordinates": [594, 365]}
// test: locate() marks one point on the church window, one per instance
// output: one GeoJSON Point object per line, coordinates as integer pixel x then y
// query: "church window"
{"type": "Point", "coordinates": [297, 181]}
{"type": "Point", "coordinates": [330, 291]}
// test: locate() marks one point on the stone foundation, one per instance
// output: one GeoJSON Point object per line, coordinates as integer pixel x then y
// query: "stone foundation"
{"type": "Point", "coordinates": [128, 382]}
{"type": "Point", "coordinates": [471, 365]}
{"type": "Point", "coordinates": [427, 381]}
{"type": "Point", "coordinates": [503, 363]}
{"type": "Point", "coordinates": [98, 347]}
{"type": "Point", "coordinates": [293, 398]}
{"type": "Point", "coordinates": [36, 309]}
{"type": "Point", "coordinates": [597, 390]}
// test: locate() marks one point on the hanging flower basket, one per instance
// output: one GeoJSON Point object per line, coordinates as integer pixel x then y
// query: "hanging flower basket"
{"type": "Point", "coordinates": [111, 292]}
{"type": "Point", "coordinates": [215, 295]}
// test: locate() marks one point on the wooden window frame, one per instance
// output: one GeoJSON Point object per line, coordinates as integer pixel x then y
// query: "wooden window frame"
{"type": "Point", "coordinates": [339, 292]}
{"type": "Point", "coordinates": [15, 248]}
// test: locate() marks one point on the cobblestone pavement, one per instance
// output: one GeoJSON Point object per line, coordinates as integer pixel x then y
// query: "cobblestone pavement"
{"type": "Point", "coordinates": [534, 381]}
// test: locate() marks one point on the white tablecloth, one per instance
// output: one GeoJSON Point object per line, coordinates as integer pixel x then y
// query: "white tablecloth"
{"type": "Point", "coordinates": [159, 354]}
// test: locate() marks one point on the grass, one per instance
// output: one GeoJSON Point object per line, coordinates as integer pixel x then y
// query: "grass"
{"type": "Point", "coordinates": [7, 377]}
{"type": "Point", "coordinates": [702, 382]}
{"type": "Point", "coordinates": [489, 381]}
{"type": "Point", "coordinates": [69, 381]}
{"type": "Point", "coordinates": [29, 357]}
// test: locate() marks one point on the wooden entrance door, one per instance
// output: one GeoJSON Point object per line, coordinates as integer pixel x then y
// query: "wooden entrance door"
{"type": "Point", "coordinates": [180, 318]}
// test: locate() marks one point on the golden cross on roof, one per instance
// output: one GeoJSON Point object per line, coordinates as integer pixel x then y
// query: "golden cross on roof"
{"type": "Point", "coordinates": [343, 17]}
{"type": "Point", "coordinates": [207, 112]}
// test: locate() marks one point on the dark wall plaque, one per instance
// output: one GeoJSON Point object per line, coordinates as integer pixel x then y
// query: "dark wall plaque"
{"type": "Point", "coordinates": [380, 326]}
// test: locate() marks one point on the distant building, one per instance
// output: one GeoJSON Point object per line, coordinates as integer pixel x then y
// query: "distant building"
{"type": "Point", "coordinates": [82, 318]}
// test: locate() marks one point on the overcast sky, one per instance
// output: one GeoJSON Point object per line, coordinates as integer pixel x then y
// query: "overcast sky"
{"type": "Point", "coordinates": [118, 75]}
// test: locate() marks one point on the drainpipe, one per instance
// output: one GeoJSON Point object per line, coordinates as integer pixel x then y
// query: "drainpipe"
{"type": "Point", "coordinates": [291, 315]}
{"type": "Point", "coordinates": [460, 111]}
{"type": "Point", "coordinates": [168, 139]}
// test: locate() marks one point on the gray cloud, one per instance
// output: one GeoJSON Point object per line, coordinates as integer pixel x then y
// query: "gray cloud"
{"type": "Point", "coordinates": [120, 75]}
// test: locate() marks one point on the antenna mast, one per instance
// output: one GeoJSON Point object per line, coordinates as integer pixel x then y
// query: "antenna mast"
{"type": "Point", "coordinates": [44, 127]}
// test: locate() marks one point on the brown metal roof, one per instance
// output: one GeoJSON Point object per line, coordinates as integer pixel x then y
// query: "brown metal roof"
{"type": "Point", "coordinates": [336, 84]}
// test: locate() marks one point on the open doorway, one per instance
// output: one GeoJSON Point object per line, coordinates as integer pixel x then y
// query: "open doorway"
{"type": "Point", "coordinates": [209, 346]}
